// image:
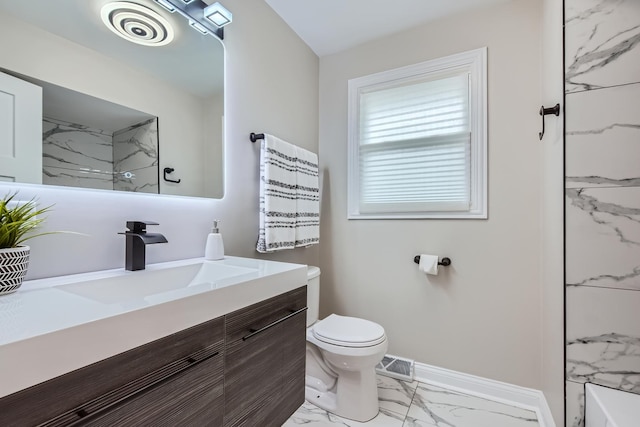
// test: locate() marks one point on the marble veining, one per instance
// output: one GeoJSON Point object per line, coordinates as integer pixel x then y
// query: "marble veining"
{"type": "Point", "coordinates": [446, 408]}
{"type": "Point", "coordinates": [602, 189]}
{"type": "Point", "coordinates": [312, 416]}
{"type": "Point", "coordinates": [395, 395]}
{"type": "Point", "coordinates": [575, 404]}
{"type": "Point", "coordinates": [600, 131]}
{"type": "Point", "coordinates": [601, 181]}
{"type": "Point", "coordinates": [602, 148]}
{"type": "Point", "coordinates": [602, 343]}
{"type": "Point", "coordinates": [135, 157]}
{"type": "Point", "coordinates": [75, 146]}
{"type": "Point", "coordinates": [76, 155]}
{"type": "Point", "coordinates": [601, 43]}
{"type": "Point", "coordinates": [77, 178]}
{"type": "Point", "coordinates": [597, 208]}
{"type": "Point", "coordinates": [603, 237]}
{"type": "Point", "coordinates": [136, 147]}
{"type": "Point", "coordinates": [79, 156]}
{"type": "Point", "coordinates": [615, 362]}
{"type": "Point", "coordinates": [414, 404]}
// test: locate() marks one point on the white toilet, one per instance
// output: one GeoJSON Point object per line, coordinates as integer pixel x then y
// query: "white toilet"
{"type": "Point", "coordinates": [342, 353]}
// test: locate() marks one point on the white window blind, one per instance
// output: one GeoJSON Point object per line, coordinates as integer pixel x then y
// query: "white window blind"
{"type": "Point", "coordinates": [418, 140]}
{"type": "Point", "coordinates": [415, 146]}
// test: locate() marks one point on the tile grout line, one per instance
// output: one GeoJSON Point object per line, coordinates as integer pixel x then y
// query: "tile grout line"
{"type": "Point", "coordinates": [406, 413]}
{"type": "Point", "coordinates": [413, 396]}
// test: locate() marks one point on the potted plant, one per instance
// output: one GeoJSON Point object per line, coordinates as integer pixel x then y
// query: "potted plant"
{"type": "Point", "coordinates": [17, 222]}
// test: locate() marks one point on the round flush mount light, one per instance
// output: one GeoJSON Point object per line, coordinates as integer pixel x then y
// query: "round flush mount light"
{"type": "Point", "coordinates": [137, 24]}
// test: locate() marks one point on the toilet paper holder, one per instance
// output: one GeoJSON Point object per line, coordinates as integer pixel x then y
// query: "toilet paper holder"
{"type": "Point", "coordinates": [444, 262]}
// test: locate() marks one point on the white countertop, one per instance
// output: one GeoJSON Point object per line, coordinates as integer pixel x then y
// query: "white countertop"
{"type": "Point", "coordinates": [51, 326]}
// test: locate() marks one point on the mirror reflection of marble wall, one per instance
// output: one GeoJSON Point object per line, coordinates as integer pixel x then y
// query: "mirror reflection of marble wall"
{"type": "Point", "coordinates": [75, 155]}
{"type": "Point", "coordinates": [135, 158]}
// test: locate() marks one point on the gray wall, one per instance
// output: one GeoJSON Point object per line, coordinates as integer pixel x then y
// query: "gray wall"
{"type": "Point", "coordinates": [272, 86]}
{"type": "Point", "coordinates": [602, 84]}
{"type": "Point", "coordinates": [483, 314]}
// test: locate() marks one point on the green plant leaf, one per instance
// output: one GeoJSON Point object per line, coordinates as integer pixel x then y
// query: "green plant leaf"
{"type": "Point", "coordinates": [18, 222]}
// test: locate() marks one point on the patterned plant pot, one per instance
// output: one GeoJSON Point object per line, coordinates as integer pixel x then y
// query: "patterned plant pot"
{"type": "Point", "coordinates": [13, 268]}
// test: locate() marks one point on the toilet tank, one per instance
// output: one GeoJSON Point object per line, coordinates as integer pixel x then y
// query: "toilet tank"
{"type": "Point", "coordinates": [313, 294]}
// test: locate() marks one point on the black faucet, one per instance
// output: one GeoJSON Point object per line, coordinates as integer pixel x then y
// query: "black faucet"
{"type": "Point", "coordinates": [137, 239]}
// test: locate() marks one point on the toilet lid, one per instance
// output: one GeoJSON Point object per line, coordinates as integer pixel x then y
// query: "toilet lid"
{"type": "Point", "coordinates": [348, 331]}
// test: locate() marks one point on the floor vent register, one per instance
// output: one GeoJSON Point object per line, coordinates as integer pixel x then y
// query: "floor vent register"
{"type": "Point", "coordinates": [396, 367]}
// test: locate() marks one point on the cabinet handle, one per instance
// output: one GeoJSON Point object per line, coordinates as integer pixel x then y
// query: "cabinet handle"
{"type": "Point", "coordinates": [128, 391]}
{"type": "Point", "coordinates": [253, 332]}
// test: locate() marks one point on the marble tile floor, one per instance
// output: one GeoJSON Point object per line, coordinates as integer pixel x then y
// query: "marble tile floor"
{"type": "Point", "coordinates": [415, 404]}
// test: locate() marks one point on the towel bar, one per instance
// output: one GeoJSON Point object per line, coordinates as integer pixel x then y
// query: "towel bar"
{"type": "Point", "coordinates": [445, 261]}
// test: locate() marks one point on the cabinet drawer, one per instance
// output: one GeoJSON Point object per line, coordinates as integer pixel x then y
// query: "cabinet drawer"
{"type": "Point", "coordinates": [254, 318]}
{"type": "Point", "coordinates": [45, 402]}
{"type": "Point", "coordinates": [190, 398]}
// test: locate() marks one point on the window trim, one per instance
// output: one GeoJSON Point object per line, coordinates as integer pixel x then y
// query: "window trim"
{"type": "Point", "coordinates": [475, 62]}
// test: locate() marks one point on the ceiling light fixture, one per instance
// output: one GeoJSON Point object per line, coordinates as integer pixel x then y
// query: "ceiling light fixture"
{"type": "Point", "coordinates": [198, 27]}
{"type": "Point", "coordinates": [206, 19]}
{"type": "Point", "coordinates": [166, 5]}
{"type": "Point", "coordinates": [218, 15]}
{"type": "Point", "coordinates": [137, 24]}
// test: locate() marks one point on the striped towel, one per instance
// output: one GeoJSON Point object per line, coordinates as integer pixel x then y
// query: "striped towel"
{"type": "Point", "coordinates": [307, 198]}
{"type": "Point", "coordinates": [289, 196]}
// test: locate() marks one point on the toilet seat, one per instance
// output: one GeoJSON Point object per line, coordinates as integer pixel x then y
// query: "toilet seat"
{"type": "Point", "coordinates": [348, 331]}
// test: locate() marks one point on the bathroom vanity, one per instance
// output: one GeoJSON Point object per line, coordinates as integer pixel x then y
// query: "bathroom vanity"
{"type": "Point", "coordinates": [223, 346]}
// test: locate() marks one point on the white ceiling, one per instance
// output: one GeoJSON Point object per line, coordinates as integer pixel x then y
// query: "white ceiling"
{"type": "Point", "coordinates": [330, 26]}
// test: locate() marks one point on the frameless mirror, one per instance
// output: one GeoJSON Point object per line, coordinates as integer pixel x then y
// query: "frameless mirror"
{"type": "Point", "coordinates": [112, 114]}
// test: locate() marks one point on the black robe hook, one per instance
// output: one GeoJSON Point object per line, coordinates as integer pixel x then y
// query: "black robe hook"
{"type": "Point", "coordinates": [555, 110]}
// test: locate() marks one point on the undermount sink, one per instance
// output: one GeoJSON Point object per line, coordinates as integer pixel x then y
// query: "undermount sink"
{"type": "Point", "coordinates": [201, 276]}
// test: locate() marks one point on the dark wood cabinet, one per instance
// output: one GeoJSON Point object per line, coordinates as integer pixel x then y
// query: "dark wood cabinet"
{"type": "Point", "coordinates": [190, 398]}
{"type": "Point", "coordinates": [243, 369]}
{"type": "Point", "coordinates": [85, 392]}
{"type": "Point", "coordinates": [265, 361]}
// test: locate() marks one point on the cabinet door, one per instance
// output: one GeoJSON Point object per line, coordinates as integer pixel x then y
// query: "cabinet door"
{"type": "Point", "coordinates": [294, 344]}
{"type": "Point", "coordinates": [253, 378]}
{"type": "Point", "coordinates": [264, 366]}
{"type": "Point", "coordinates": [191, 398]}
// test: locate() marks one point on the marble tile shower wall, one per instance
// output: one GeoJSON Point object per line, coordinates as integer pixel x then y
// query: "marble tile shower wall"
{"type": "Point", "coordinates": [135, 158]}
{"type": "Point", "coordinates": [76, 155]}
{"type": "Point", "coordinates": [79, 156]}
{"type": "Point", "coordinates": [602, 188]}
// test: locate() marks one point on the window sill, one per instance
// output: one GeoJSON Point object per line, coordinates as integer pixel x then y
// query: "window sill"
{"type": "Point", "coordinates": [420, 215]}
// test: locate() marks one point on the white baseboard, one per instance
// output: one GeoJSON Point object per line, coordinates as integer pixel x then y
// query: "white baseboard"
{"type": "Point", "coordinates": [510, 394]}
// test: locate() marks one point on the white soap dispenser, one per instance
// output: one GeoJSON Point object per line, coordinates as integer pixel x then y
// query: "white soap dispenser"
{"type": "Point", "coordinates": [214, 249]}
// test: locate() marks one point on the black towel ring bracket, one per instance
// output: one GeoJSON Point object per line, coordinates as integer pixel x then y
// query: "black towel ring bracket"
{"type": "Point", "coordinates": [168, 171]}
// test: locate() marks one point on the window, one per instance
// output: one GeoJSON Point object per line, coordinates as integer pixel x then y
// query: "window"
{"type": "Point", "coordinates": [417, 140]}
